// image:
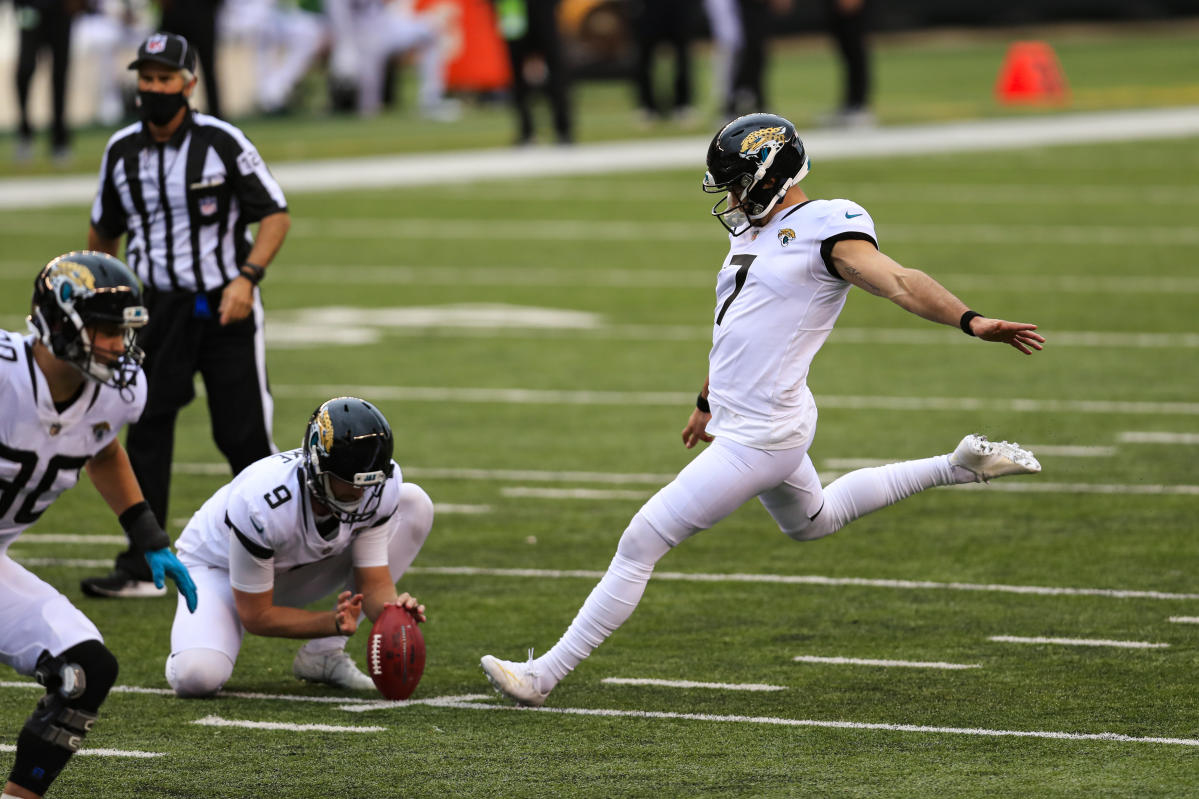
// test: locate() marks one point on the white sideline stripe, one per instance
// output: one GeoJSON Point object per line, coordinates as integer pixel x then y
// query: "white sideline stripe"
{"type": "Point", "coordinates": [1132, 437]}
{"type": "Point", "coordinates": [810, 579]}
{"type": "Point", "coordinates": [528, 396]}
{"type": "Point", "coordinates": [217, 721]}
{"type": "Point", "coordinates": [470, 166]}
{"type": "Point", "coordinates": [907, 664]}
{"type": "Point", "coordinates": [1185, 619]}
{"type": "Point", "coordinates": [571, 493]}
{"type": "Point", "coordinates": [99, 752]}
{"type": "Point", "coordinates": [71, 538]}
{"type": "Point", "coordinates": [719, 686]}
{"type": "Point", "coordinates": [1016, 639]}
{"type": "Point", "coordinates": [844, 725]}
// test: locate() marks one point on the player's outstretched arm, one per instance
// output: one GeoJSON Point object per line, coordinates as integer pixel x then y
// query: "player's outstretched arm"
{"type": "Point", "coordinates": [914, 291]}
{"type": "Point", "coordinates": [113, 477]}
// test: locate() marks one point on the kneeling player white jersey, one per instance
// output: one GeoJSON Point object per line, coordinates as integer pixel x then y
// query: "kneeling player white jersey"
{"type": "Point", "coordinates": [777, 297]}
{"type": "Point", "coordinates": [42, 450]}
{"type": "Point", "coordinates": [262, 524]}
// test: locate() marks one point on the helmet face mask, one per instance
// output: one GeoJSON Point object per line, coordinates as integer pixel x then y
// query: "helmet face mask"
{"type": "Point", "coordinates": [80, 294]}
{"type": "Point", "coordinates": [754, 160]}
{"type": "Point", "coordinates": [348, 445]}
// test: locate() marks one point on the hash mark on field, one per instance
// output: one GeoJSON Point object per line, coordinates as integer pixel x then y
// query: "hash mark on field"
{"type": "Point", "coordinates": [909, 664]}
{"type": "Point", "coordinates": [1132, 437]}
{"type": "Point", "coordinates": [720, 686]}
{"type": "Point", "coordinates": [217, 721]}
{"type": "Point", "coordinates": [1016, 639]}
{"type": "Point", "coordinates": [99, 752]}
{"type": "Point", "coordinates": [843, 725]}
{"type": "Point", "coordinates": [1185, 619]}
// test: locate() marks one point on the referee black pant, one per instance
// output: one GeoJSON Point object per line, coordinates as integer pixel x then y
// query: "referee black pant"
{"type": "Point", "coordinates": [231, 361]}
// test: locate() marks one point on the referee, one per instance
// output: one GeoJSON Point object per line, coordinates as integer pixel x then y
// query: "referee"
{"type": "Point", "coordinates": [183, 187]}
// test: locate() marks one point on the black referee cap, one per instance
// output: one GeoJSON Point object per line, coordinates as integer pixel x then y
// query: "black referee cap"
{"type": "Point", "coordinates": [168, 49]}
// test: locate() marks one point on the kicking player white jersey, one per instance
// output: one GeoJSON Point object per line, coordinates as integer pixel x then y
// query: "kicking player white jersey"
{"type": "Point", "coordinates": [264, 518]}
{"type": "Point", "coordinates": [42, 450]}
{"type": "Point", "coordinates": [777, 297]}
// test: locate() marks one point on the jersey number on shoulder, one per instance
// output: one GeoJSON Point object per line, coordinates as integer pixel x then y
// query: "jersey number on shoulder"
{"type": "Point", "coordinates": [9, 489]}
{"type": "Point", "coordinates": [277, 497]}
{"type": "Point", "coordinates": [743, 261]}
{"type": "Point", "coordinates": [8, 352]}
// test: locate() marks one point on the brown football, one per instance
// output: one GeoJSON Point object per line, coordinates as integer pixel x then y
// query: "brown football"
{"type": "Point", "coordinates": [395, 653]}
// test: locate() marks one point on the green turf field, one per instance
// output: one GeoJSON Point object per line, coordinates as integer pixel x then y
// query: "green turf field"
{"type": "Point", "coordinates": [1096, 244]}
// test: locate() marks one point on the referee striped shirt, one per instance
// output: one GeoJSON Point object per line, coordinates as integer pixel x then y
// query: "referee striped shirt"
{"type": "Point", "coordinates": [185, 203]}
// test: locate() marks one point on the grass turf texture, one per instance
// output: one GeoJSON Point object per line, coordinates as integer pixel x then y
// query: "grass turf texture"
{"type": "Point", "coordinates": [927, 211]}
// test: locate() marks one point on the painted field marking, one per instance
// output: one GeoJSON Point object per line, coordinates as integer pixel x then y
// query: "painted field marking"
{"type": "Point", "coordinates": [571, 493]}
{"type": "Point", "coordinates": [1185, 619]}
{"type": "Point", "coordinates": [217, 721]}
{"type": "Point", "coordinates": [436, 701]}
{"type": "Point", "coordinates": [843, 725]}
{"type": "Point", "coordinates": [907, 664]}
{"type": "Point", "coordinates": [1016, 639]}
{"type": "Point", "coordinates": [99, 752]}
{"type": "Point", "coordinates": [527, 396]}
{"type": "Point", "coordinates": [72, 538]}
{"type": "Point", "coordinates": [1132, 437]}
{"type": "Point", "coordinates": [69, 563]}
{"type": "Point", "coordinates": [719, 686]}
{"type": "Point", "coordinates": [137, 689]}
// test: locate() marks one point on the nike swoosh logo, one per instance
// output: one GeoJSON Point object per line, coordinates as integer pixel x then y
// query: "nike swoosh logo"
{"type": "Point", "coordinates": [848, 215]}
{"type": "Point", "coordinates": [254, 522]}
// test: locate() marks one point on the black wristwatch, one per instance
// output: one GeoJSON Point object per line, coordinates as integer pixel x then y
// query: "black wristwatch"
{"type": "Point", "coordinates": [252, 272]}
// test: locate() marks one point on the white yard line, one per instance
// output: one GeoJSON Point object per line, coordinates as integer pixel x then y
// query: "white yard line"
{"type": "Point", "coordinates": [1185, 619]}
{"type": "Point", "coordinates": [99, 752]}
{"type": "Point", "coordinates": [1132, 437]}
{"type": "Point", "coordinates": [217, 721]}
{"type": "Point", "coordinates": [422, 169]}
{"type": "Point", "coordinates": [843, 725]}
{"type": "Point", "coordinates": [1016, 639]}
{"type": "Point", "coordinates": [529, 396]}
{"type": "Point", "coordinates": [571, 493]}
{"type": "Point", "coordinates": [718, 686]}
{"type": "Point", "coordinates": [905, 664]}
{"type": "Point", "coordinates": [71, 538]}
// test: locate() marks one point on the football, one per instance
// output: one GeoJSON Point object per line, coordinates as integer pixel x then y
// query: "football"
{"type": "Point", "coordinates": [395, 653]}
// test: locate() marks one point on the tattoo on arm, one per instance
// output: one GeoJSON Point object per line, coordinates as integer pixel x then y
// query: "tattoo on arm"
{"type": "Point", "coordinates": [855, 277]}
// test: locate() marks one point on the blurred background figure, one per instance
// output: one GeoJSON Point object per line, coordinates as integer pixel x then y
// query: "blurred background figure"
{"type": "Point", "coordinates": [44, 25]}
{"type": "Point", "coordinates": [724, 21]}
{"type": "Point", "coordinates": [102, 37]}
{"type": "Point", "coordinates": [195, 20]}
{"type": "Point", "coordinates": [285, 41]}
{"type": "Point", "coordinates": [749, 94]}
{"type": "Point", "coordinates": [530, 28]}
{"type": "Point", "coordinates": [847, 23]}
{"type": "Point", "coordinates": [368, 33]}
{"type": "Point", "coordinates": [669, 22]}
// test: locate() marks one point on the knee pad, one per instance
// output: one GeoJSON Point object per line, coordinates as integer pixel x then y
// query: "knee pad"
{"type": "Point", "coordinates": [198, 672]}
{"type": "Point", "coordinates": [77, 682]}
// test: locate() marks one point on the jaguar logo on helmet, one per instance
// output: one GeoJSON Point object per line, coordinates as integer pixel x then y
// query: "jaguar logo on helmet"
{"type": "Point", "coordinates": [324, 429]}
{"type": "Point", "coordinates": [755, 142]}
{"type": "Point", "coordinates": [786, 236]}
{"type": "Point", "coordinates": [70, 278]}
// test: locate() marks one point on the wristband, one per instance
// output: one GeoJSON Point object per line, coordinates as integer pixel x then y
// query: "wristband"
{"type": "Point", "coordinates": [252, 272]}
{"type": "Point", "coordinates": [964, 322]}
{"type": "Point", "coordinates": [143, 529]}
{"type": "Point", "coordinates": [701, 402]}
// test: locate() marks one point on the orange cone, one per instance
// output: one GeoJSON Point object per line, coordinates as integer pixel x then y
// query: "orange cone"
{"type": "Point", "coordinates": [1031, 75]}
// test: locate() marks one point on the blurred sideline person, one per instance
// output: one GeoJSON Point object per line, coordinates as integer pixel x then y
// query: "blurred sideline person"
{"type": "Point", "coordinates": [285, 40]}
{"type": "Point", "coordinates": [44, 24]}
{"type": "Point", "coordinates": [657, 22]}
{"type": "Point", "coordinates": [530, 30]}
{"type": "Point", "coordinates": [790, 267]}
{"type": "Point", "coordinates": [195, 20]}
{"type": "Point", "coordinates": [847, 24]}
{"type": "Point", "coordinates": [183, 187]}
{"type": "Point", "coordinates": [334, 514]}
{"type": "Point", "coordinates": [100, 37]}
{"type": "Point", "coordinates": [724, 22]}
{"type": "Point", "coordinates": [749, 78]}
{"type": "Point", "coordinates": [67, 389]}
{"type": "Point", "coordinates": [368, 33]}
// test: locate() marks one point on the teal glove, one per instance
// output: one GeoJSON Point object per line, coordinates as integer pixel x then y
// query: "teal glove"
{"type": "Point", "coordinates": [163, 564]}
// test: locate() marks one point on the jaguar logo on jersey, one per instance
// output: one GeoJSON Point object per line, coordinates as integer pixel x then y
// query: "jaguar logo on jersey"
{"type": "Point", "coordinates": [786, 236]}
{"type": "Point", "coordinates": [98, 430]}
{"type": "Point", "coordinates": [754, 143]}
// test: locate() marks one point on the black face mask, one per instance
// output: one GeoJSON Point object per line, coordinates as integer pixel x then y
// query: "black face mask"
{"type": "Point", "coordinates": [159, 108]}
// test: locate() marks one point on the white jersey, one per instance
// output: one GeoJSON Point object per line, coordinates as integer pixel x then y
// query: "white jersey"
{"type": "Point", "coordinates": [261, 524]}
{"type": "Point", "coordinates": [777, 297]}
{"type": "Point", "coordinates": [42, 450]}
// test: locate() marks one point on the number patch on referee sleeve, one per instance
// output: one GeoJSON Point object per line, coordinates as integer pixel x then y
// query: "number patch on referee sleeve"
{"type": "Point", "coordinates": [248, 162]}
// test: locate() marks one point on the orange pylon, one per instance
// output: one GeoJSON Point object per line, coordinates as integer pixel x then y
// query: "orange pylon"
{"type": "Point", "coordinates": [1031, 74]}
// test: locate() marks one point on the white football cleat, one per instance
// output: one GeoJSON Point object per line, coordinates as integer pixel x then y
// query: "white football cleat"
{"type": "Point", "coordinates": [517, 681]}
{"type": "Point", "coordinates": [990, 459]}
{"type": "Point", "coordinates": [334, 668]}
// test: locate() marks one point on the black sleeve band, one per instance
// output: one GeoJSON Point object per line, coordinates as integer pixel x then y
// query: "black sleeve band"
{"type": "Point", "coordinates": [701, 402]}
{"type": "Point", "coordinates": [964, 322]}
{"type": "Point", "coordinates": [143, 529]}
{"type": "Point", "coordinates": [826, 248]}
